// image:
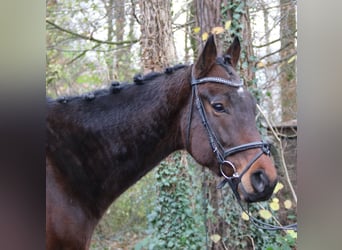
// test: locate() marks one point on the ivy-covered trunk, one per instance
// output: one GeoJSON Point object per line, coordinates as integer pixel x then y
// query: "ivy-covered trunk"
{"type": "Point", "coordinates": [172, 220]}
{"type": "Point", "coordinates": [233, 15]}
{"type": "Point", "coordinates": [176, 220]}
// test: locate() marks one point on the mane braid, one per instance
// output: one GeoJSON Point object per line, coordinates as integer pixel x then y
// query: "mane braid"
{"type": "Point", "coordinates": [116, 87]}
{"type": "Point", "coordinates": [140, 79]}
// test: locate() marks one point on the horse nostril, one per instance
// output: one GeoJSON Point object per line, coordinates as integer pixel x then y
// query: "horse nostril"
{"type": "Point", "coordinates": [259, 181]}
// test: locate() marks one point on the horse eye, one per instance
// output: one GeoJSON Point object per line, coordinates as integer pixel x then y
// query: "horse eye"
{"type": "Point", "coordinates": [218, 107]}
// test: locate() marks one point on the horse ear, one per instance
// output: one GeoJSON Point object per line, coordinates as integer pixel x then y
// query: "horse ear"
{"type": "Point", "coordinates": [207, 58]}
{"type": "Point", "coordinates": [234, 51]}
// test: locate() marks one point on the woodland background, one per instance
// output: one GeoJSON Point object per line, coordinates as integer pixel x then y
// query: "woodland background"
{"type": "Point", "coordinates": [91, 43]}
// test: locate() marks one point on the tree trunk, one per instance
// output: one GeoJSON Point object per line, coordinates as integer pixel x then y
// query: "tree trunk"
{"type": "Point", "coordinates": [288, 69]}
{"type": "Point", "coordinates": [158, 50]}
{"type": "Point", "coordinates": [247, 65]}
{"type": "Point", "coordinates": [208, 16]}
{"type": "Point", "coordinates": [110, 18]}
{"type": "Point", "coordinates": [119, 55]}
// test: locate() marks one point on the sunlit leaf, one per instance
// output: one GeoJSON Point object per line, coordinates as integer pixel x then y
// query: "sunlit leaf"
{"type": "Point", "coordinates": [217, 30]}
{"type": "Point", "coordinates": [278, 187]}
{"type": "Point", "coordinates": [215, 238]}
{"type": "Point", "coordinates": [205, 36]}
{"type": "Point", "coordinates": [244, 216]}
{"type": "Point", "coordinates": [227, 24]}
{"type": "Point", "coordinates": [292, 233]}
{"type": "Point", "coordinates": [287, 204]}
{"type": "Point", "coordinates": [275, 199]}
{"type": "Point", "coordinates": [197, 29]}
{"type": "Point", "coordinates": [260, 64]}
{"type": "Point", "coordinates": [274, 206]}
{"type": "Point", "coordinates": [292, 59]}
{"type": "Point", "coordinates": [265, 214]}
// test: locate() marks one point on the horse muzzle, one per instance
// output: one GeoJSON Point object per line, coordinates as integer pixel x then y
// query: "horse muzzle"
{"type": "Point", "coordinates": [262, 187]}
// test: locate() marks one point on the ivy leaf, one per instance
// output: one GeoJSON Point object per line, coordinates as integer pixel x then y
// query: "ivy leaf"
{"type": "Point", "coordinates": [244, 216]}
{"type": "Point", "coordinates": [244, 65]}
{"type": "Point", "coordinates": [215, 238]}
{"type": "Point", "coordinates": [292, 233]}
{"type": "Point", "coordinates": [217, 30]}
{"type": "Point", "coordinates": [227, 24]}
{"type": "Point", "coordinates": [265, 214]}
{"type": "Point", "coordinates": [205, 36]}
{"type": "Point", "coordinates": [287, 204]}
{"type": "Point", "coordinates": [197, 29]}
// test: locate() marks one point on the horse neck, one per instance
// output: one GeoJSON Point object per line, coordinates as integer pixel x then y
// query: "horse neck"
{"type": "Point", "coordinates": [104, 146]}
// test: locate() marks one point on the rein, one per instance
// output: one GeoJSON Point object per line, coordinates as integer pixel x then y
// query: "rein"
{"type": "Point", "coordinates": [221, 154]}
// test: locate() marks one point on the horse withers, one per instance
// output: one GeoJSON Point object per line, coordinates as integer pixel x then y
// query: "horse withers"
{"type": "Point", "coordinates": [101, 143]}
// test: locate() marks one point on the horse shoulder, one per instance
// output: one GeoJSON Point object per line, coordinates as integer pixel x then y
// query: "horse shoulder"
{"type": "Point", "coordinates": [67, 225]}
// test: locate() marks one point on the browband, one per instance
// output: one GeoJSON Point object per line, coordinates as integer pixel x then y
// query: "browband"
{"type": "Point", "coordinates": [217, 80]}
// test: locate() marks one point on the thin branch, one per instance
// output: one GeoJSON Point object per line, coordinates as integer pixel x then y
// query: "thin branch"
{"type": "Point", "coordinates": [282, 153]}
{"type": "Point", "coordinates": [181, 26]}
{"type": "Point", "coordinates": [277, 61]}
{"type": "Point", "coordinates": [275, 52]}
{"type": "Point", "coordinates": [266, 44]}
{"type": "Point", "coordinates": [90, 38]}
{"type": "Point", "coordinates": [82, 54]}
{"type": "Point", "coordinates": [91, 49]}
{"type": "Point", "coordinates": [271, 42]}
{"type": "Point", "coordinates": [134, 12]}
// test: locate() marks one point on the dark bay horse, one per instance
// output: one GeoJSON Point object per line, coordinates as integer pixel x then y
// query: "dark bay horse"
{"type": "Point", "coordinates": [101, 143]}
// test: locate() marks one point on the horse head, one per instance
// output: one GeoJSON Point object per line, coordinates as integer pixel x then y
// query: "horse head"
{"type": "Point", "coordinates": [221, 125]}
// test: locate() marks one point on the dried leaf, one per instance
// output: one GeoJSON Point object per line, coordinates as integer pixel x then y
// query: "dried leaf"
{"type": "Point", "coordinates": [278, 187]}
{"type": "Point", "coordinates": [197, 30]}
{"type": "Point", "coordinates": [215, 238]}
{"type": "Point", "coordinates": [274, 206]}
{"type": "Point", "coordinates": [265, 214]}
{"type": "Point", "coordinates": [292, 59]}
{"type": "Point", "coordinates": [275, 199]}
{"type": "Point", "coordinates": [217, 30]}
{"type": "Point", "coordinates": [244, 216]}
{"type": "Point", "coordinates": [287, 204]}
{"type": "Point", "coordinates": [227, 24]}
{"type": "Point", "coordinates": [260, 64]}
{"type": "Point", "coordinates": [205, 36]}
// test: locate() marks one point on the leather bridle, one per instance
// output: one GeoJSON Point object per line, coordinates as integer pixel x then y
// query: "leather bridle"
{"type": "Point", "coordinates": [221, 153]}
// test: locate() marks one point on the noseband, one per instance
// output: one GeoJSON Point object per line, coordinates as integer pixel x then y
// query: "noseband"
{"type": "Point", "coordinates": [221, 153]}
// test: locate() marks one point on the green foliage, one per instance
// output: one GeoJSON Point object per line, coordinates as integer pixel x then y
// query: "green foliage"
{"type": "Point", "coordinates": [237, 8]}
{"type": "Point", "coordinates": [76, 63]}
{"type": "Point", "coordinates": [175, 220]}
{"type": "Point", "coordinates": [126, 217]}
{"type": "Point", "coordinates": [242, 234]}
